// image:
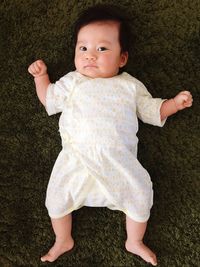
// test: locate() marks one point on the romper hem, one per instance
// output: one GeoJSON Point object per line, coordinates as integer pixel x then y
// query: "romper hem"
{"type": "Point", "coordinates": [134, 218]}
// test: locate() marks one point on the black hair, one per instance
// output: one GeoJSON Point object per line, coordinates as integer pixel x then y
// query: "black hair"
{"type": "Point", "coordinates": [104, 13]}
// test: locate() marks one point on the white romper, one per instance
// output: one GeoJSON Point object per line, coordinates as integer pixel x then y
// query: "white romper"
{"type": "Point", "coordinates": [98, 164]}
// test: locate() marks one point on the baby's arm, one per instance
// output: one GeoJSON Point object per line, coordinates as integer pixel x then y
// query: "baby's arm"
{"type": "Point", "coordinates": [179, 102]}
{"type": "Point", "coordinates": [39, 71]}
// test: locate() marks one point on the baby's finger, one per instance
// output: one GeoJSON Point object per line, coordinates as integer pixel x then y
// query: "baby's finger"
{"type": "Point", "coordinates": [37, 67]}
{"type": "Point", "coordinates": [187, 105]}
{"type": "Point", "coordinates": [186, 92]}
{"type": "Point", "coordinates": [31, 69]}
{"type": "Point", "coordinates": [185, 97]}
{"type": "Point", "coordinates": [40, 62]}
{"type": "Point", "coordinates": [190, 99]}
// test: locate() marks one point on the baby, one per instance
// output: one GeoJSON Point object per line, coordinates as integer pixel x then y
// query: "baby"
{"type": "Point", "coordinates": [99, 107]}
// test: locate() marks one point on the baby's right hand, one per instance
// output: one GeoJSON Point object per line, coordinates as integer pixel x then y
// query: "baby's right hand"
{"type": "Point", "coordinates": [38, 68]}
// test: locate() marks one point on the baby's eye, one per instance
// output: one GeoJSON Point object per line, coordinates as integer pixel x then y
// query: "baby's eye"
{"type": "Point", "coordinates": [83, 48]}
{"type": "Point", "coordinates": [102, 49]}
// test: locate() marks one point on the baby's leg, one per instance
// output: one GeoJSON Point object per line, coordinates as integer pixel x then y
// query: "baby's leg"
{"type": "Point", "coordinates": [64, 242]}
{"type": "Point", "coordinates": [134, 242]}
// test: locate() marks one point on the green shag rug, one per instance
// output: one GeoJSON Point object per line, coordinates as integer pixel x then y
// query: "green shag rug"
{"type": "Point", "coordinates": [166, 58]}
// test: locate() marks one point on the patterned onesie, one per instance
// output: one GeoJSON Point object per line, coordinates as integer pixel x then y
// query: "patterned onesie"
{"type": "Point", "coordinates": [98, 164]}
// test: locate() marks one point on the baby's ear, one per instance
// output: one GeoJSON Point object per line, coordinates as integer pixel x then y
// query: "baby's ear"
{"type": "Point", "coordinates": [123, 59]}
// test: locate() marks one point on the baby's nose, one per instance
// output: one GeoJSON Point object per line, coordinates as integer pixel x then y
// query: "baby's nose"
{"type": "Point", "coordinates": [91, 56]}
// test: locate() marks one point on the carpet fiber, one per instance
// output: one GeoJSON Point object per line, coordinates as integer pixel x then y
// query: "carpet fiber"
{"type": "Point", "coordinates": [165, 57]}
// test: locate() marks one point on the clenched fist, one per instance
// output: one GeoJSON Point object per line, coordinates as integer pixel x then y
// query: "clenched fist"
{"type": "Point", "coordinates": [183, 100]}
{"type": "Point", "coordinates": [38, 68]}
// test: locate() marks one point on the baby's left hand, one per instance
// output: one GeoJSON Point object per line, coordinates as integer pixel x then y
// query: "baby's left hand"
{"type": "Point", "coordinates": [183, 100]}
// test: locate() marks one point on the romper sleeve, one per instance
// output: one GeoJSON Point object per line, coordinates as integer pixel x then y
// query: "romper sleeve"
{"type": "Point", "coordinates": [57, 93]}
{"type": "Point", "coordinates": [147, 107]}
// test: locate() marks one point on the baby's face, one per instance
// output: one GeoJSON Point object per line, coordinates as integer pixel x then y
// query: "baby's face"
{"type": "Point", "coordinates": [98, 52]}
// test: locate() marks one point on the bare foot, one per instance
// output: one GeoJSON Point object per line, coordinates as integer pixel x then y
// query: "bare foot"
{"type": "Point", "coordinates": [138, 248]}
{"type": "Point", "coordinates": [58, 249]}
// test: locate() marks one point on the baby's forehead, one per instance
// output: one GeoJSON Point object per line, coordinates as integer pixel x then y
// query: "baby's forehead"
{"type": "Point", "coordinates": [99, 32]}
{"type": "Point", "coordinates": [103, 23]}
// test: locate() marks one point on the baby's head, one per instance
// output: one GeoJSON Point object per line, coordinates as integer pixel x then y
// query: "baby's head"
{"type": "Point", "coordinates": [102, 42]}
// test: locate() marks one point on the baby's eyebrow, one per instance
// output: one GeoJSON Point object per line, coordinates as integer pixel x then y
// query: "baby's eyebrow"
{"type": "Point", "coordinates": [100, 42]}
{"type": "Point", "coordinates": [104, 42]}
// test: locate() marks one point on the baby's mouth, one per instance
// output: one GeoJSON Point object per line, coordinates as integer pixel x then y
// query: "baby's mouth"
{"type": "Point", "coordinates": [90, 66]}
